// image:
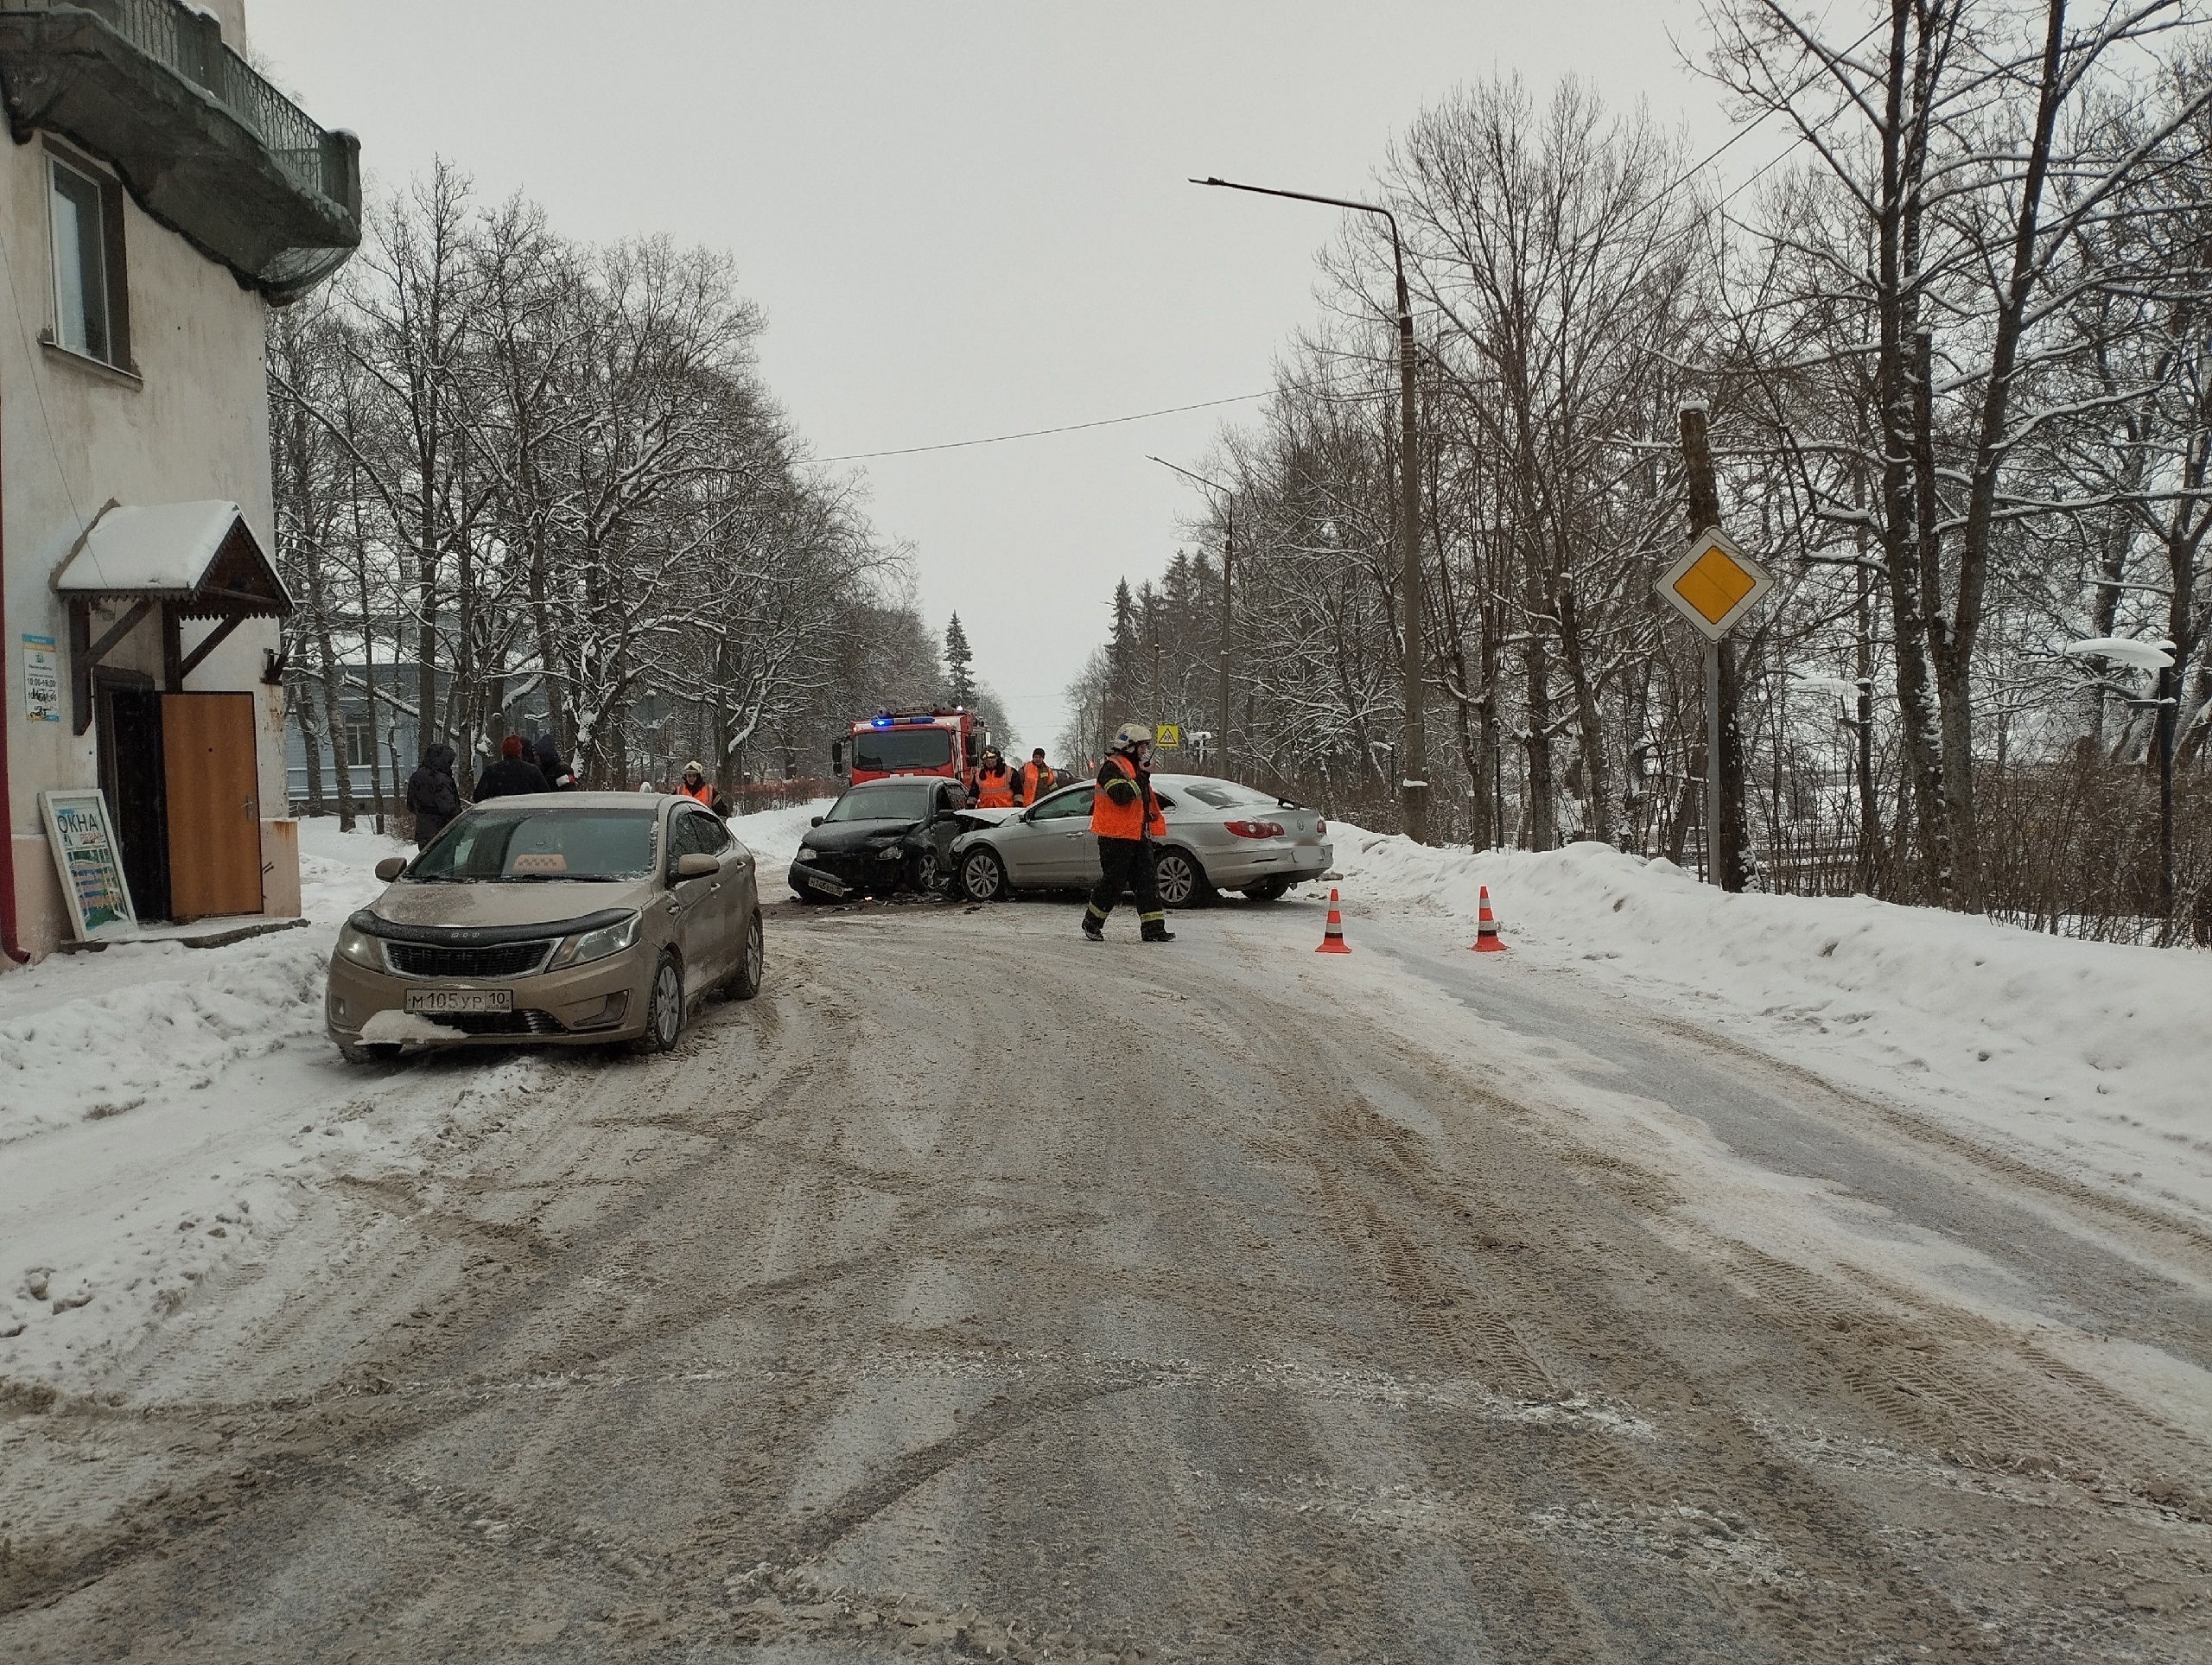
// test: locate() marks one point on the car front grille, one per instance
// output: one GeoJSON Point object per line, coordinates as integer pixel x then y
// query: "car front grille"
{"type": "Point", "coordinates": [492, 960]}
{"type": "Point", "coordinates": [503, 1023]}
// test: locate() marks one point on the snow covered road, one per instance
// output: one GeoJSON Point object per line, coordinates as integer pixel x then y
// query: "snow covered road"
{"type": "Point", "coordinates": [978, 1290]}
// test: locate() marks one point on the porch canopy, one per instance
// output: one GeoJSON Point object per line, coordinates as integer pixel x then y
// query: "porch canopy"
{"type": "Point", "coordinates": [180, 560]}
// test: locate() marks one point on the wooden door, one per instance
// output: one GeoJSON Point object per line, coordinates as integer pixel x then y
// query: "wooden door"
{"type": "Point", "coordinates": [214, 810]}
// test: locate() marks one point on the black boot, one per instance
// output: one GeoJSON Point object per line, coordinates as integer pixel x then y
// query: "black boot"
{"type": "Point", "coordinates": [1093, 929]}
{"type": "Point", "coordinates": [1157, 931]}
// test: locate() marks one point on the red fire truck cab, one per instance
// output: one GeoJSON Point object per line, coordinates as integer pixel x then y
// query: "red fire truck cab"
{"type": "Point", "coordinates": [942, 742]}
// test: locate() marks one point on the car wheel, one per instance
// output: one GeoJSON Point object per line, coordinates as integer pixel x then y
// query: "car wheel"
{"type": "Point", "coordinates": [663, 1008]}
{"type": "Point", "coordinates": [1181, 881]}
{"type": "Point", "coordinates": [744, 982]}
{"type": "Point", "coordinates": [923, 873]}
{"type": "Point", "coordinates": [982, 876]}
{"type": "Point", "coordinates": [1268, 890]}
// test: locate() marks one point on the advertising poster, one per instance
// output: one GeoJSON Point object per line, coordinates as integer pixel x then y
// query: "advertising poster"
{"type": "Point", "coordinates": [41, 679]}
{"type": "Point", "coordinates": [91, 866]}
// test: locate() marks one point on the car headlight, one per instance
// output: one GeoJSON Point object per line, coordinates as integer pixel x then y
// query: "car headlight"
{"type": "Point", "coordinates": [588, 945]}
{"type": "Point", "coordinates": [889, 852]}
{"type": "Point", "coordinates": [357, 945]}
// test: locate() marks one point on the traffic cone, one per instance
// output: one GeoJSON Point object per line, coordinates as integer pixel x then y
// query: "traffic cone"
{"type": "Point", "coordinates": [1487, 940]}
{"type": "Point", "coordinates": [1332, 934]}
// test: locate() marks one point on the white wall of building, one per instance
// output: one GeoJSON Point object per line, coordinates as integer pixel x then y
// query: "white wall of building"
{"type": "Point", "coordinates": [194, 425]}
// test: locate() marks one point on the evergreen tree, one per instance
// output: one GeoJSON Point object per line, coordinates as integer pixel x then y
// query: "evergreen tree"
{"type": "Point", "coordinates": [960, 681]}
{"type": "Point", "coordinates": [1124, 659]}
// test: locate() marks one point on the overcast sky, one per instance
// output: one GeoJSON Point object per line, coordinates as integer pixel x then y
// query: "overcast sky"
{"type": "Point", "coordinates": [971, 220]}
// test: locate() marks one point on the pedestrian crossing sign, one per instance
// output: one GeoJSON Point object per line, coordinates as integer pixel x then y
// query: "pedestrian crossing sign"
{"type": "Point", "coordinates": [1167, 737]}
{"type": "Point", "coordinates": [1714, 584]}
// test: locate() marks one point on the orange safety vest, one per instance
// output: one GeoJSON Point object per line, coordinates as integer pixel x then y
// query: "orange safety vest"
{"type": "Point", "coordinates": [994, 792]}
{"type": "Point", "coordinates": [704, 795]}
{"type": "Point", "coordinates": [1036, 780]}
{"type": "Point", "coordinates": [1139, 818]}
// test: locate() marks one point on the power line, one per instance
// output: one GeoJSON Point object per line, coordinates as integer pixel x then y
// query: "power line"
{"type": "Point", "coordinates": [1038, 433]}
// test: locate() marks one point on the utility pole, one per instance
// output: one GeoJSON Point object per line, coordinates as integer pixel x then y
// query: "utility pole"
{"type": "Point", "coordinates": [1723, 744]}
{"type": "Point", "coordinates": [1228, 564]}
{"type": "Point", "coordinates": [1412, 792]}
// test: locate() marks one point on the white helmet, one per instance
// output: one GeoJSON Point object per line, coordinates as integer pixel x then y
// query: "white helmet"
{"type": "Point", "coordinates": [1130, 735]}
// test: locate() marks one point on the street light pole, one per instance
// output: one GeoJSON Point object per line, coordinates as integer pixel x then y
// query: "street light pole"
{"type": "Point", "coordinates": [1228, 562]}
{"type": "Point", "coordinates": [1413, 792]}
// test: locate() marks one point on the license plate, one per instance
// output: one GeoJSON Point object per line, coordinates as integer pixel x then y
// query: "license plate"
{"type": "Point", "coordinates": [432, 1002]}
{"type": "Point", "coordinates": [821, 883]}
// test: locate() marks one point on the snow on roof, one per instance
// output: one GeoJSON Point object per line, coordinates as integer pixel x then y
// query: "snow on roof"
{"type": "Point", "coordinates": [160, 549]}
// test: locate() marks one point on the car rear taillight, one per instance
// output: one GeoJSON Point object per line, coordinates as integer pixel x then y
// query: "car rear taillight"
{"type": "Point", "coordinates": [1255, 829]}
{"type": "Point", "coordinates": [1321, 828]}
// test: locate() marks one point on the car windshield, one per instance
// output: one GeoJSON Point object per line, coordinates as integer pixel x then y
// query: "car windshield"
{"type": "Point", "coordinates": [893, 801]}
{"type": "Point", "coordinates": [529, 845]}
{"type": "Point", "coordinates": [902, 748]}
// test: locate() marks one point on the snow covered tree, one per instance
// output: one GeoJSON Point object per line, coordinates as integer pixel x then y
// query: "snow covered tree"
{"type": "Point", "coordinates": [959, 677]}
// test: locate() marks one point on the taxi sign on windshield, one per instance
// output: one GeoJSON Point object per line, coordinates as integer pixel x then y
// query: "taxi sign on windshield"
{"type": "Point", "coordinates": [1714, 584]}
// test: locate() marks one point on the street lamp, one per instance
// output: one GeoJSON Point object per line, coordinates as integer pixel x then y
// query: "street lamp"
{"type": "Point", "coordinates": [1413, 794]}
{"type": "Point", "coordinates": [1228, 557]}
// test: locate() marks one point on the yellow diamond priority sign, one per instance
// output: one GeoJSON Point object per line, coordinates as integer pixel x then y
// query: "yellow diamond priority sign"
{"type": "Point", "coordinates": [1715, 584]}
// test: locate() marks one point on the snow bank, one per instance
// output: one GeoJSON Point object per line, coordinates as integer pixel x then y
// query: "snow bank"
{"type": "Point", "coordinates": [2099, 1053]}
{"type": "Point", "coordinates": [160, 1107]}
{"type": "Point", "coordinates": [773, 835]}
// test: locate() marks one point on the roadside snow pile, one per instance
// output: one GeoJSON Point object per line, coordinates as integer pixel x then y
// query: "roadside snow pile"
{"type": "Point", "coordinates": [773, 835]}
{"type": "Point", "coordinates": [87, 1036]}
{"type": "Point", "coordinates": [157, 1106]}
{"type": "Point", "coordinates": [2100, 1052]}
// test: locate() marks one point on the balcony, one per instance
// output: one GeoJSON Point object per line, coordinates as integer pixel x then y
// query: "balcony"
{"type": "Point", "coordinates": [203, 143]}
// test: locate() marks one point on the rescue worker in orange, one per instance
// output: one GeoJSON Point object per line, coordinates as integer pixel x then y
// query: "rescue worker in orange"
{"type": "Point", "coordinates": [1125, 816]}
{"type": "Point", "coordinates": [993, 782]}
{"type": "Point", "coordinates": [1036, 778]}
{"type": "Point", "coordinates": [695, 785]}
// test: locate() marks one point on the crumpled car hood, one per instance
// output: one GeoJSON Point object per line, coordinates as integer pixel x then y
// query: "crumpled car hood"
{"type": "Point", "coordinates": [842, 838]}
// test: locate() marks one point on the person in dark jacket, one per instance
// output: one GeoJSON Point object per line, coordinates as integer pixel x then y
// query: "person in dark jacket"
{"type": "Point", "coordinates": [556, 772]}
{"type": "Point", "coordinates": [433, 798]}
{"type": "Point", "coordinates": [512, 775]}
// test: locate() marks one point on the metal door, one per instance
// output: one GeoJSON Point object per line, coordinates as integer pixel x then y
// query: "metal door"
{"type": "Point", "coordinates": [702, 908]}
{"type": "Point", "coordinates": [212, 791]}
{"type": "Point", "coordinates": [1067, 853]}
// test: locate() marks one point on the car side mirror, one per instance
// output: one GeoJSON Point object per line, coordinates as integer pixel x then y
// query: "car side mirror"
{"type": "Point", "coordinates": [391, 868]}
{"type": "Point", "coordinates": [696, 865]}
{"type": "Point", "coordinates": [816, 822]}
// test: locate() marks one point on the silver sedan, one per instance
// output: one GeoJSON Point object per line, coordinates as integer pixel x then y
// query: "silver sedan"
{"type": "Point", "coordinates": [1221, 835]}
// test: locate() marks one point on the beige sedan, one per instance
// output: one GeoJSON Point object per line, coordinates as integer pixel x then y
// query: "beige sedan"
{"type": "Point", "coordinates": [571, 918]}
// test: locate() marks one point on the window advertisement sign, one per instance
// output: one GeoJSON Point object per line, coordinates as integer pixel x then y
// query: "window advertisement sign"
{"type": "Point", "coordinates": [41, 679]}
{"type": "Point", "coordinates": [90, 864]}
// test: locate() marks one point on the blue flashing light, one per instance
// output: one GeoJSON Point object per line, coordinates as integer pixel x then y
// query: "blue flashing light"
{"type": "Point", "coordinates": [879, 722]}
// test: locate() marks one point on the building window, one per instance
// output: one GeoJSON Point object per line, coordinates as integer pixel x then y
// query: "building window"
{"type": "Point", "coordinates": [360, 743]}
{"type": "Point", "coordinates": [90, 312]}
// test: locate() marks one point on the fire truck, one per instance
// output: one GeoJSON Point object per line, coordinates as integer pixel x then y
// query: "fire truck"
{"type": "Point", "coordinates": [939, 742]}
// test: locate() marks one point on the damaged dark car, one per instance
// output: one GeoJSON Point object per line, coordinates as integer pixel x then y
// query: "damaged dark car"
{"type": "Point", "coordinates": [882, 837]}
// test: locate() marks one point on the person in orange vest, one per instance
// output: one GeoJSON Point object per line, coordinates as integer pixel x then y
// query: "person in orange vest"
{"type": "Point", "coordinates": [993, 782]}
{"type": "Point", "coordinates": [1036, 778]}
{"type": "Point", "coordinates": [1125, 816]}
{"type": "Point", "coordinates": [695, 785]}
